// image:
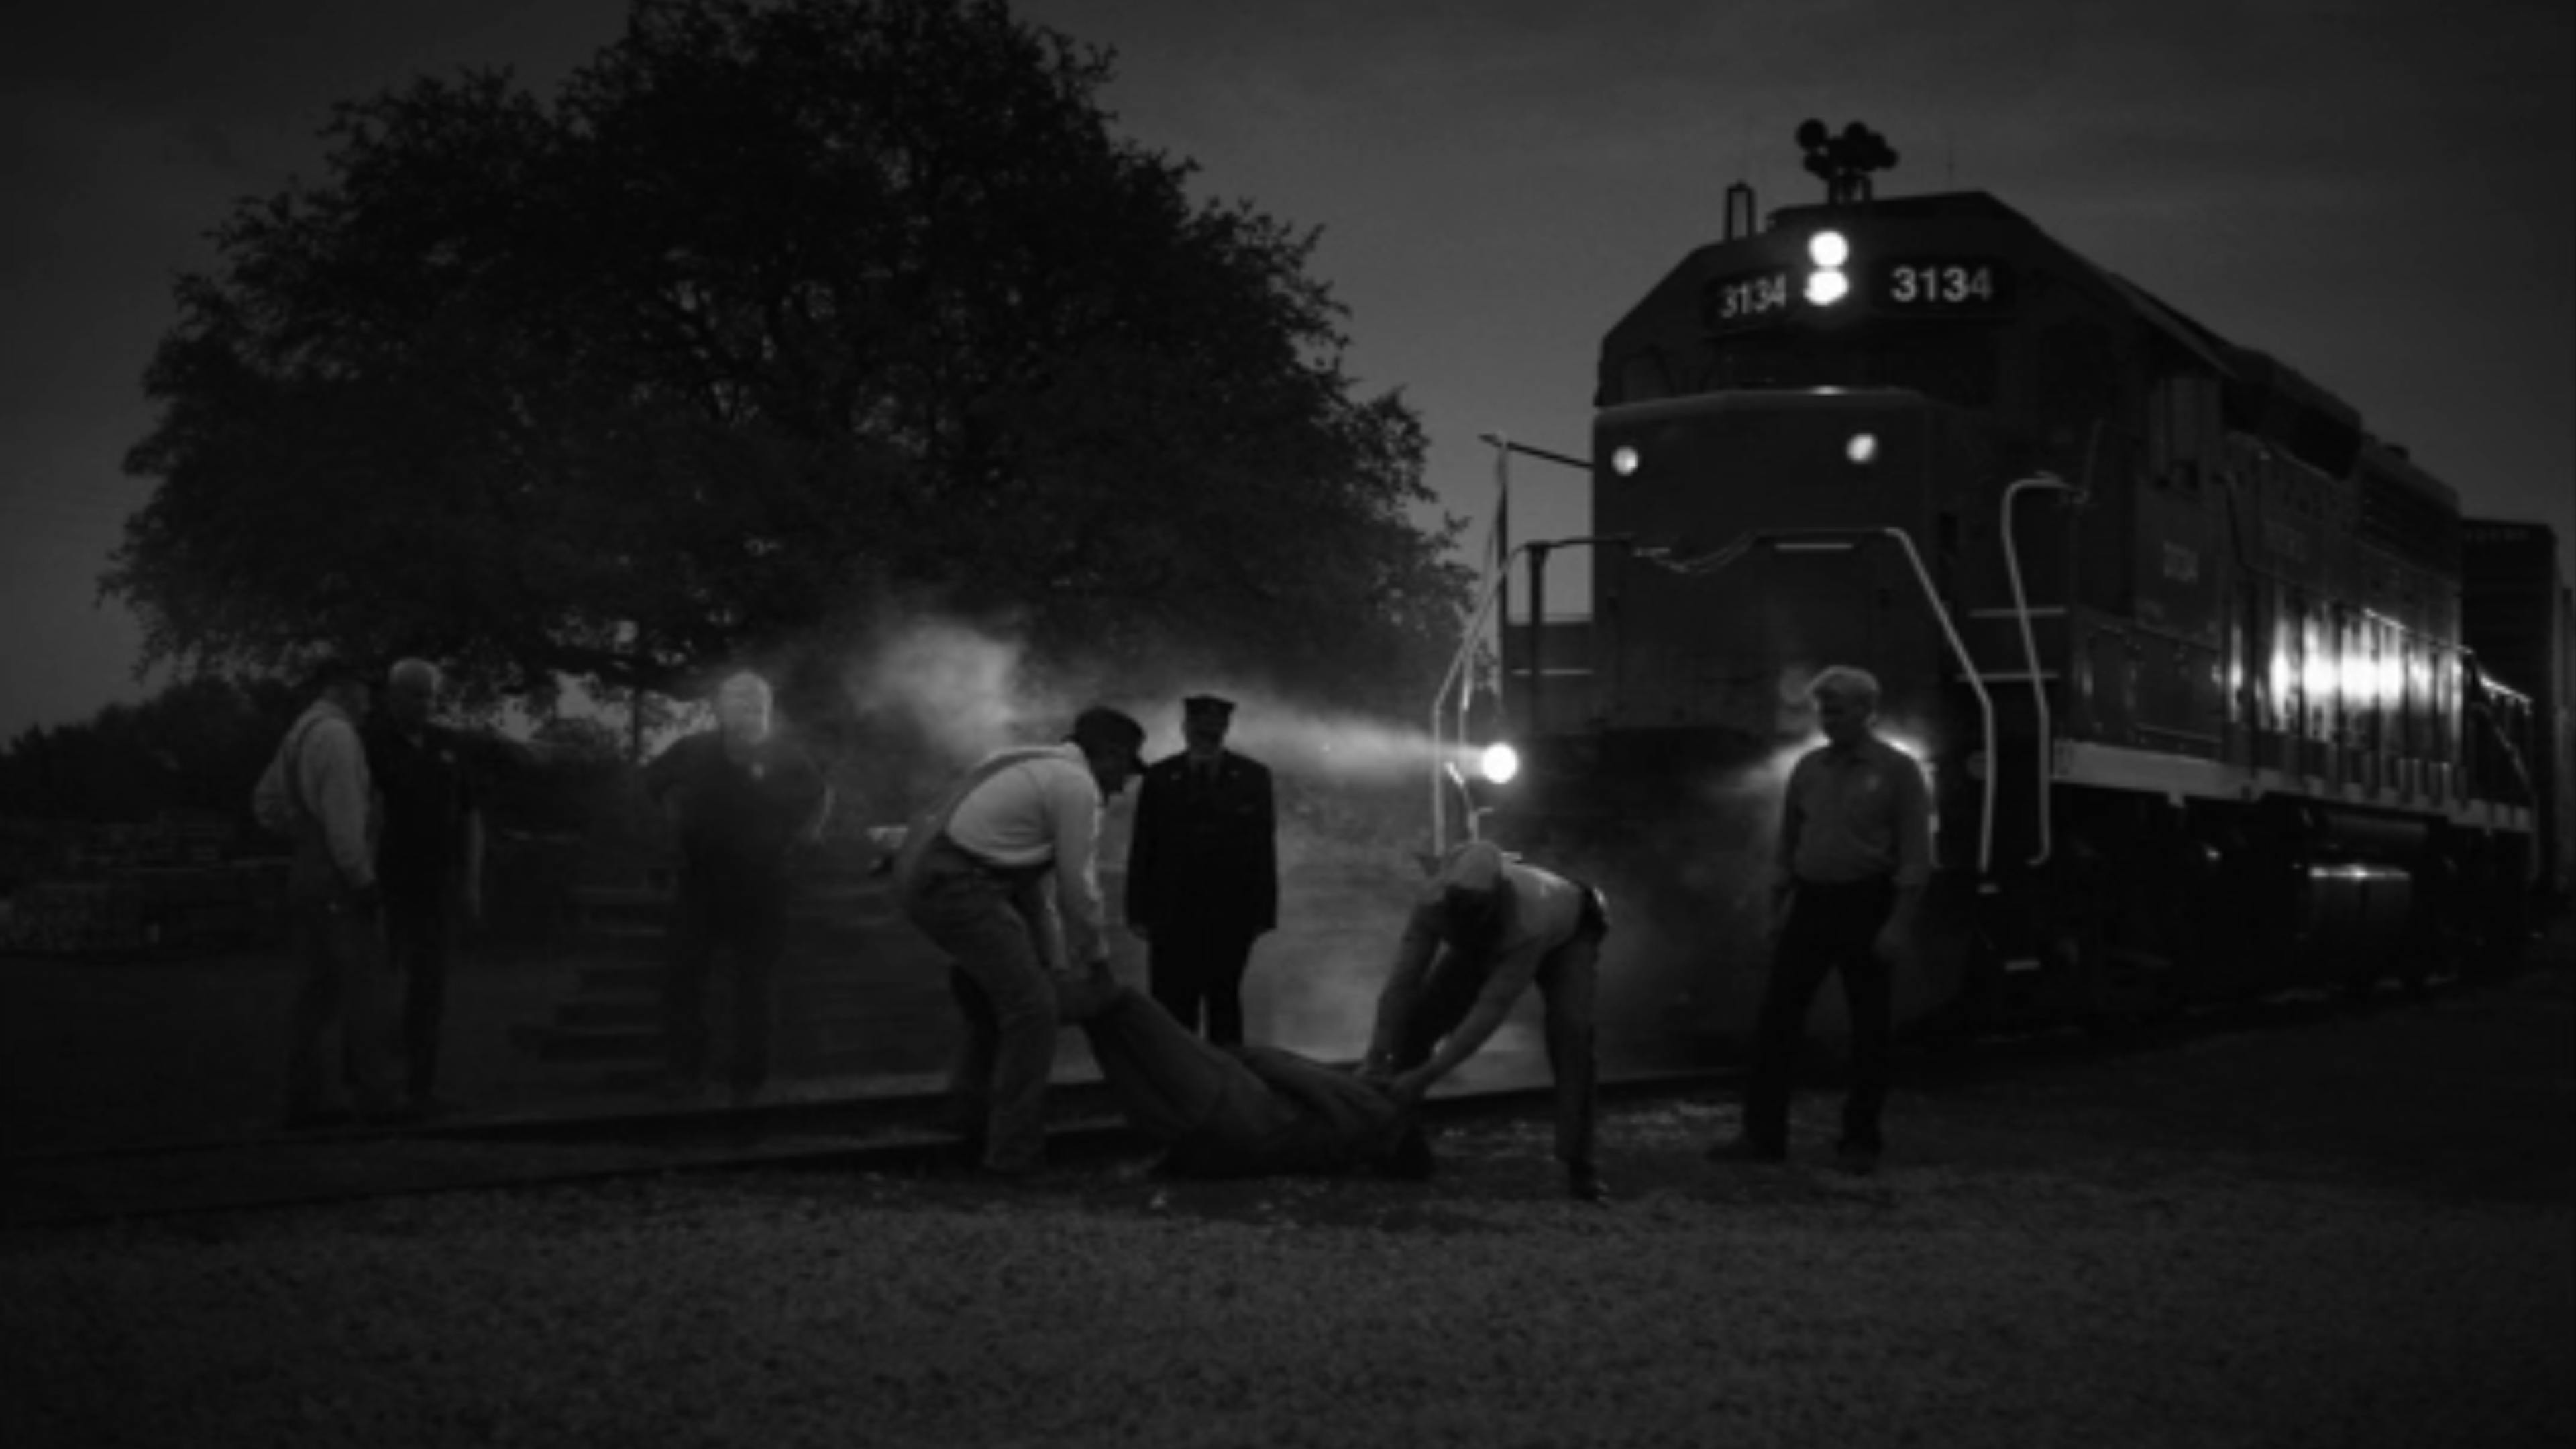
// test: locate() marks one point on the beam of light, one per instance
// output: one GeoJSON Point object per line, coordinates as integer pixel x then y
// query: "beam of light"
{"type": "Point", "coordinates": [957, 686]}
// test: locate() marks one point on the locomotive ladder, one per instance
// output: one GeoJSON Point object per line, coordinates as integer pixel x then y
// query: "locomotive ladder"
{"type": "Point", "coordinates": [2021, 614]}
{"type": "Point", "coordinates": [1844, 540]}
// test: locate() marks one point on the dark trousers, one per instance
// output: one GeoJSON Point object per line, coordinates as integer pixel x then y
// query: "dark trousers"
{"type": "Point", "coordinates": [1568, 981]}
{"type": "Point", "coordinates": [1830, 928]}
{"type": "Point", "coordinates": [1192, 968]}
{"type": "Point", "coordinates": [989, 921]}
{"type": "Point", "coordinates": [344, 985]}
{"type": "Point", "coordinates": [417, 937]}
{"type": "Point", "coordinates": [750, 922]}
{"type": "Point", "coordinates": [1176, 1088]}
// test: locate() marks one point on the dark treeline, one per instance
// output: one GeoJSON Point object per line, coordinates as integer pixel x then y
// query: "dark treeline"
{"type": "Point", "coordinates": [777, 327]}
{"type": "Point", "coordinates": [196, 747]}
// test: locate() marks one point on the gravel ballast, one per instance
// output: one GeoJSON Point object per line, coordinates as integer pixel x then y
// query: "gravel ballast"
{"type": "Point", "coordinates": [2351, 1230]}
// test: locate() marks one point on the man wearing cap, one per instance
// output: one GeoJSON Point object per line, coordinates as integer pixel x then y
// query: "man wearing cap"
{"type": "Point", "coordinates": [1483, 932]}
{"type": "Point", "coordinates": [318, 792]}
{"type": "Point", "coordinates": [1855, 853]}
{"type": "Point", "coordinates": [1008, 884]}
{"type": "Point", "coordinates": [739, 797]}
{"type": "Point", "coordinates": [1203, 871]}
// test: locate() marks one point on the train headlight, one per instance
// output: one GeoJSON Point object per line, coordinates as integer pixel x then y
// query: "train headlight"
{"type": "Point", "coordinates": [1499, 763]}
{"type": "Point", "coordinates": [1623, 461]}
{"type": "Point", "coordinates": [1862, 448]}
{"type": "Point", "coordinates": [1827, 285]}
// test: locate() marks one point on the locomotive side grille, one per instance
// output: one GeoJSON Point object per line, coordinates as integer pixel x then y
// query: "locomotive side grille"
{"type": "Point", "coordinates": [2409, 524]}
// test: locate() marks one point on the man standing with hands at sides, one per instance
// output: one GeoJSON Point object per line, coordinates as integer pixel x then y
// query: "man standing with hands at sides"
{"type": "Point", "coordinates": [1203, 871]}
{"type": "Point", "coordinates": [975, 876]}
{"type": "Point", "coordinates": [431, 858]}
{"type": "Point", "coordinates": [739, 797]}
{"type": "Point", "coordinates": [1855, 852]}
{"type": "Point", "coordinates": [317, 792]}
{"type": "Point", "coordinates": [1483, 931]}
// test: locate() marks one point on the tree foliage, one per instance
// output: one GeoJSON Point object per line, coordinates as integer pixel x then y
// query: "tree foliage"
{"type": "Point", "coordinates": [198, 745]}
{"type": "Point", "coordinates": [776, 319]}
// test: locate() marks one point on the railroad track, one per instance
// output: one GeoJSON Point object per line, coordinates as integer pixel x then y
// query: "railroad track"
{"type": "Point", "coordinates": [896, 1132]}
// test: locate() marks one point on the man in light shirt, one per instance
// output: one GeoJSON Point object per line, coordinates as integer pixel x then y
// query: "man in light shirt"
{"type": "Point", "coordinates": [1485, 930]}
{"type": "Point", "coordinates": [1855, 853]}
{"type": "Point", "coordinates": [1009, 885]}
{"type": "Point", "coordinates": [318, 793]}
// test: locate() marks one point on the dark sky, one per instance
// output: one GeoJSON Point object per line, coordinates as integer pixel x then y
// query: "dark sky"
{"type": "Point", "coordinates": [2378, 194]}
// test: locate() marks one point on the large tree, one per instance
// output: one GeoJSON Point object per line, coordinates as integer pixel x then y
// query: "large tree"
{"type": "Point", "coordinates": [774, 318]}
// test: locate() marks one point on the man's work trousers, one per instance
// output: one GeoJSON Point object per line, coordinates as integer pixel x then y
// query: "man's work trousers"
{"type": "Point", "coordinates": [1195, 969]}
{"type": "Point", "coordinates": [1175, 1088]}
{"type": "Point", "coordinates": [346, 984]}
{"type": "Point", "coordinates": [987, 919]}
{"type": "Point", "coordinates": [1830, 928]}
{"type": "Point", "coordinates": [1568, 981]}
{"type": "Point", "coordinates": [751, 923]}
{"type": "Point", "coordinates": [417, 936]}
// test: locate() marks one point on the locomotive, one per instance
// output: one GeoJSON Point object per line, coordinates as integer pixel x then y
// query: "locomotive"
{"type": "Point", "coordinates": [2199, 670]}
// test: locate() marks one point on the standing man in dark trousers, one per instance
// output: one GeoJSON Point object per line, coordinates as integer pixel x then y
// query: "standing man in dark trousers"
{"type": "Point", "coordinates": [1855, 853]}
{"type": "Point", "coordinates": [1003, 875]}
{"type": "Point", "coordinates": [317, 792]}
{"type": "Point", "coordinates": [738, 797]}
{"type": "Point", "coordinates": [1483, 932]}
{"type": "Point", "coordinates": [1203, 872]}
{"type": "Point", "coordinates": [431, 858]}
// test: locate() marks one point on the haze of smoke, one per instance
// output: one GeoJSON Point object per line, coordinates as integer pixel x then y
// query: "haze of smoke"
{"type": "Point", "coordinates": [955, 687]}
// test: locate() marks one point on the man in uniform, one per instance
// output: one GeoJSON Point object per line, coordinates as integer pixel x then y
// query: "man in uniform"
{"type": "Point", "coordinates": [739, 797]}
{"type": "Point", "coordinates": [1484, 931]}
{"type": "Point", "coordinates": [1854, 854]}
{"type": "Point", "coordinates": [431, 858]}
{"type": "Point", "coordinates": [317, 792]}
{"type": "Point", "coordinates": [1002, 874]}
{"type": "Point", "coordinates": [1203, 872]}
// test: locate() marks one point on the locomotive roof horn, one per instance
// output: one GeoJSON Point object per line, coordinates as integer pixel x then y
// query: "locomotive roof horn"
{"type": "Point", "coordinates": [1845, 160]}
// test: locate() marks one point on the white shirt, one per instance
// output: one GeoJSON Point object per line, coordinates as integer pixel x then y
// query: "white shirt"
{"type": "Point", "coordinates": [1046, 808]}
{"type": "Point", "coordinates": [331, 793]}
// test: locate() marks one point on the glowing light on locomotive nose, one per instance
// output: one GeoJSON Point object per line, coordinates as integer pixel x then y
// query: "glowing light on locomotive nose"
{"type": "Point", "coordinates": [1827, 286]}
{"type": "Point", "coordinates": [1623, 461]}
{"type": "Point", "coordinates": [1828, 249]}
{"type": "Point", "coordinates": [1863, 448]}
{"type": "Point", "coordinates": [1499, 763]}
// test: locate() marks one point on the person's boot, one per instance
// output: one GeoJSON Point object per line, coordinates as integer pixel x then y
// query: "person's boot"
{"type": "Point", "coordinates": [1583, 1183]}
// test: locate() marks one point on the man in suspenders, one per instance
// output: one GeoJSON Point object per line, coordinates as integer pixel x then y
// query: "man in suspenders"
{"type": "Point", "coordinates": [317, 791]}
{"type": "Point", "coordinates": [1007, 883]}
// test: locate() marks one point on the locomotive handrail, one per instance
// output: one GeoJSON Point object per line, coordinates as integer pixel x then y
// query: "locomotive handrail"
{"type": "Point", "coordinates": [1458, 668]}
{"type": "Point", "coordinates": [2030, 656]}
{"type": "Point", "coordinates": [1798, 540]}
{"type": "Point", "coordinates": [1439, 697]}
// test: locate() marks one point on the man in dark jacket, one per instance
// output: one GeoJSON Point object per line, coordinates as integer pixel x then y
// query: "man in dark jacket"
{"type": "Point", "coordinates": [431, 857]}
{"type": "Point", "coordinates": [738, 796]}
{"type": "Point", "coordinates": [1203, 871]}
